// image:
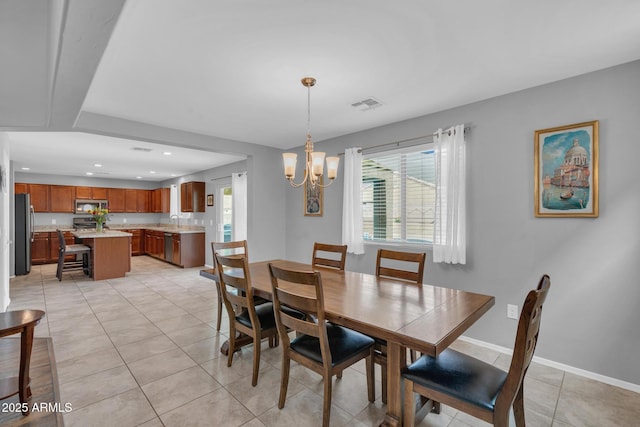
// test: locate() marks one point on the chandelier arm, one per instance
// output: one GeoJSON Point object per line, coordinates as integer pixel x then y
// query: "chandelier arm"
{"type": "Point", "coordinates": [326, 185]}
{"type": "Point", "coordinates": [301, 183]}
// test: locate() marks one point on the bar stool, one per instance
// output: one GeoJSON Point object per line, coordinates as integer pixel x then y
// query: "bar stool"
{"type": "Point", "coordinates": [75, 264]}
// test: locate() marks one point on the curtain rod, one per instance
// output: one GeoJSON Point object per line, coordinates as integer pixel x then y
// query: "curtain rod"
{"type": "Point", "coordinates": [397, 143]}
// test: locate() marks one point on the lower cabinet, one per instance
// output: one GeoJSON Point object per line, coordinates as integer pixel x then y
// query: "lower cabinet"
{"type": "Point", "coordinates": [137, 241]}
{"type": "Point", "coordinates": [40, 251]}
{"type": "Point", "coordinates": [185, 250]}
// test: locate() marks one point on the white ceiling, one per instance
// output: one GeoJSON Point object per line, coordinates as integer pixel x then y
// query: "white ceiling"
{"type": "Point", "coordinates": [232, 69]}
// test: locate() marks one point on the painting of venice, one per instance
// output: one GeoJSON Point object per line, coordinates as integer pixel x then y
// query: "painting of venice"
{"type": "Point", "coordinates": [566, 171]}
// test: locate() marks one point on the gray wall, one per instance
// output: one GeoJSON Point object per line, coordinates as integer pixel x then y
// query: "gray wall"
{"type": "Point", "coordinates": [591, 319]}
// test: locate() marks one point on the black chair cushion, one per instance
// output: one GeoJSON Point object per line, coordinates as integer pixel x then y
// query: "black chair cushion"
{"type": "Point", "coordinates": [265, 315]}
{"type": "Point", "coordinates": [460, 376]}
{"type": "Point", "coordinates": [343, 343]}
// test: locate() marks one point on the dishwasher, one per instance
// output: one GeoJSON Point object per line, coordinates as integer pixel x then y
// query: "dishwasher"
{"type": "Point", "coordinates": [168, 247]}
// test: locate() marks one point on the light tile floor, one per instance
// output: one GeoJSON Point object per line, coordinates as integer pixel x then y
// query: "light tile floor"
{"type": "Point", "coordinates": [143, 351]}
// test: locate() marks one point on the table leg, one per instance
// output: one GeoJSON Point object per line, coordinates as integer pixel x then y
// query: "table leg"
{"type": "Point", "coordinates": [26, 343]}
{"type": "Point", "coordinates": [396, 360]}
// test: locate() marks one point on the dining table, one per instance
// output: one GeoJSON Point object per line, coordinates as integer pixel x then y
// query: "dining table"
{"type": "Point", "coordinates": [424, 318]}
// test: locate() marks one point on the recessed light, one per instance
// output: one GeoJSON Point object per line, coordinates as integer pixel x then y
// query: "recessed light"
{"type": "Point", "coordinates": [138, 177]}
{"type": "Point", "coordinates": [174, 174]}
{"type": "Point", "coordinates": [98, 165]}
{"type": "Point", "coordinates": [167, 153]}
{"type": "Point", "coordinates": [25, 169]}
{"type": "Point", "coordinates": [89, 173]}
{"type": "Point", "coordinates": [152, 171]}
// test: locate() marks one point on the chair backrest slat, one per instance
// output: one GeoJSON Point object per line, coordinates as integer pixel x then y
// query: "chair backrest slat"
{"type": "Point", "coordinates": [417, 258]}
{"type": "Point", "coordinates": [233, 272]}
{"type": "Point", "coordinates": [322, 260]}
{"type": "Point", "coordinates": [229, 248]}
{"type": "Point", "coordinates": [302, 291]}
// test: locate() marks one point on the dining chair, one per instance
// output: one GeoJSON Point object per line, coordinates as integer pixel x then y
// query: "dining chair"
{"type": "Point", "coordinates": [256, 321]}
{"type": "Point", "coordinates": [475, 387]}
{"type": "Point", "coordinates": [73, 264]}
{"type": "Point", "coordinates": [320, 253]}
{"type": "Point", "coordinates": [228, 248]}
{"type": "Point", "coordinates": [321, 346]}
{"type": "Point", "coordinates": [391, 264]}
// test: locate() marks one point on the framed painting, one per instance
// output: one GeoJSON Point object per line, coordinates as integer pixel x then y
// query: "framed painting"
{"type": "Point", "coordinates": [210, 200]}
{"type": "Point", "coordinates": [566, 171]}
{"type": "Point", "coordinates": [313, 199]}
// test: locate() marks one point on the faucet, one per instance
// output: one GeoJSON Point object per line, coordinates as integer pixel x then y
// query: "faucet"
{"type": "Point", "coordinates": [177, 217]}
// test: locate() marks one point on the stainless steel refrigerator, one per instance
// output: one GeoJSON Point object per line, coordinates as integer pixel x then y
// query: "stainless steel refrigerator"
{"type": "Point", "coordinates": [24, 233]}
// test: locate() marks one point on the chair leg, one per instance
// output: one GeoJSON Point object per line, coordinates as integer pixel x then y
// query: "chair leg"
{"type": "Point", "coordinates": [339, 375]}
{"type": "Point", "coordinates": [371, 390]}
{"type": "Point", "coordinates": [59, 270]}
{"type": "Point", "coordinates": [219, 309]}
{"type": "Point", "coordinates": [518, 407]}
{"type": "Point", "coordinates": [284, 380]}
{"type": "Point", "coordinates": [409, 410]}
{"type": "Point", "coordinates": [256, 357]}
{"type": "Point", "coordinates": [326, 402]}
{"type": "Point", "coordinates": [232, 345]}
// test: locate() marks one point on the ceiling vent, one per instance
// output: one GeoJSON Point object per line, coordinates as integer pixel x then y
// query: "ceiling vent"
{"type": "Point", "coordinates": [141, 149]}
{"type": "Point", "coordinates": [367, 104]}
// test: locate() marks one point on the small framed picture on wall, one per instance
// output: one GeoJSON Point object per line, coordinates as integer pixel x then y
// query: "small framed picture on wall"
{"type": "Point", "coordinates": [313, 198]}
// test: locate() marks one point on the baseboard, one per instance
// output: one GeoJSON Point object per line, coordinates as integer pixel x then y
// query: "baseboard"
{"type": "Point", "coordinates": [546, 362]}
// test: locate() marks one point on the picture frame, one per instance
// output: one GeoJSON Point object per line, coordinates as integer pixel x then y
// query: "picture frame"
{"type": "Point", "coordinates": [313, 199]}
{"type": "Point", "coordinates": [209, 199]}
{"type": "Point", "coordinates": [566, 171]}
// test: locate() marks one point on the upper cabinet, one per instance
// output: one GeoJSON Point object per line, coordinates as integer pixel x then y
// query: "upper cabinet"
{"type": "Point", "coordinates": [62, 198]}
{"type": "Point", "coordinates": [115, 200]}
{"type": "Point", "coordinates": [160, 199]}
{"type": "Point", "coordinates": [92, 193]}
{"type": "Point", "coordinates": [192, 198]}
{"type": "Point", "coordinates": [39, 195]}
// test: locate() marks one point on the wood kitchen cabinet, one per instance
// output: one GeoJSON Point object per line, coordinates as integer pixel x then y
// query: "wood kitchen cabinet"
{"type": "Point", "coordinates": [62, 198]}
{"type": "Point", "coordinates": [192, 197]}
{"type": "Point", "coordinates": [176, 249]}
{"type": "Point", "coordinates": [92, 193]}
{"type": "Point", "coordinates": [20, 188]}
{"type": "Point", "coordinates": [39, 197]}
{"type": "Point", "coordinates": [143, 198]}
{"type": "Point", "coordinates": [40, 248]}
{"type": "Point", "coordinates": [116, 200]}
{"type": "Point", "coordinates": [130, 200]}
{"type": "Point", "coordinates": [160, 200]}
{"type": "Point", "coordinates": [137, 241]}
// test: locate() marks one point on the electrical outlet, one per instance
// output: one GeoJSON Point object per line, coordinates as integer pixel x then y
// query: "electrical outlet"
{"type": "Point", "coordinates": [53, 221]}
{"type": "Point", "coordinates": [512, 311]}
{"type": "Point", "coordinates": [124, 220]}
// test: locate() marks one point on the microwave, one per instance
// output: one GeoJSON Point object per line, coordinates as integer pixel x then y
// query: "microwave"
{"type": "Point", "coordinates": [84, 206]}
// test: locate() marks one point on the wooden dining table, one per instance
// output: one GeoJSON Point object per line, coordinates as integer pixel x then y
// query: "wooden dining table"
{"type": "Point", "coordinates": [425, 318]}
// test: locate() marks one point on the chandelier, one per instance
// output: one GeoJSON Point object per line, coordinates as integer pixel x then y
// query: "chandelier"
{"type": "Point", "coordinates": [314, 166]}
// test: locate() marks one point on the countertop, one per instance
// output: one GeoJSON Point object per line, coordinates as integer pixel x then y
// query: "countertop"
{"type": "Point", "coordinates": [185, 229]}
{"type": "Point", "coordinates": [105, 234]}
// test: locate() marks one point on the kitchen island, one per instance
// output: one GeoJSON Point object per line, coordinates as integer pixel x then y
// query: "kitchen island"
{"type": "Point", "coordinates": [110, 252]}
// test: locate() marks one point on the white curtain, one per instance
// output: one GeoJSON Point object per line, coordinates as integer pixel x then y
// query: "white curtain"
{"type": "Point", "coordinates": [449, 240]}
{"type": "Point", "coordinates": [352, 201]}
{"type": "Point", "coordinates": [239, 205]}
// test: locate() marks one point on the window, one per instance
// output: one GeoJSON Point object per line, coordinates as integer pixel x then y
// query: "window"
{"type": "Point", "coordinates": [225, 209]}
{"type": "Point", "coordinates": [398, 195]}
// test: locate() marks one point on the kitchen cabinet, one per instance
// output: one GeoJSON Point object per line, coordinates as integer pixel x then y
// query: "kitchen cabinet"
{"type": "Point", "coordinates": [40, 248]}
{"type": "Point", "coordinates": [39, 197]}
{"type": "Point", "coordinates": [115, 197]}
{"type": "Point", "coordinates": [191, 250]}
{"type": "Point", "coordinates": [176, 249]}
{"type": "Point", "coordinates": [130, 200]}
{"type": "Point", "coordinates": [160, 198]}
{"type": "Point", "coordinates": [143, 198]}
{"type": "Point", "coordinates": [20, 188]}
{"type": "Point", "coordinates": [92, 193]}
{"type": "Point", "coordinates": [154, 243]}
{"type": "Point", "coordinates": [137, 241]}
{"type": "Point", "coordinates": [192, 198]}
{"type": "Point", "coordinates": [62, 198]}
